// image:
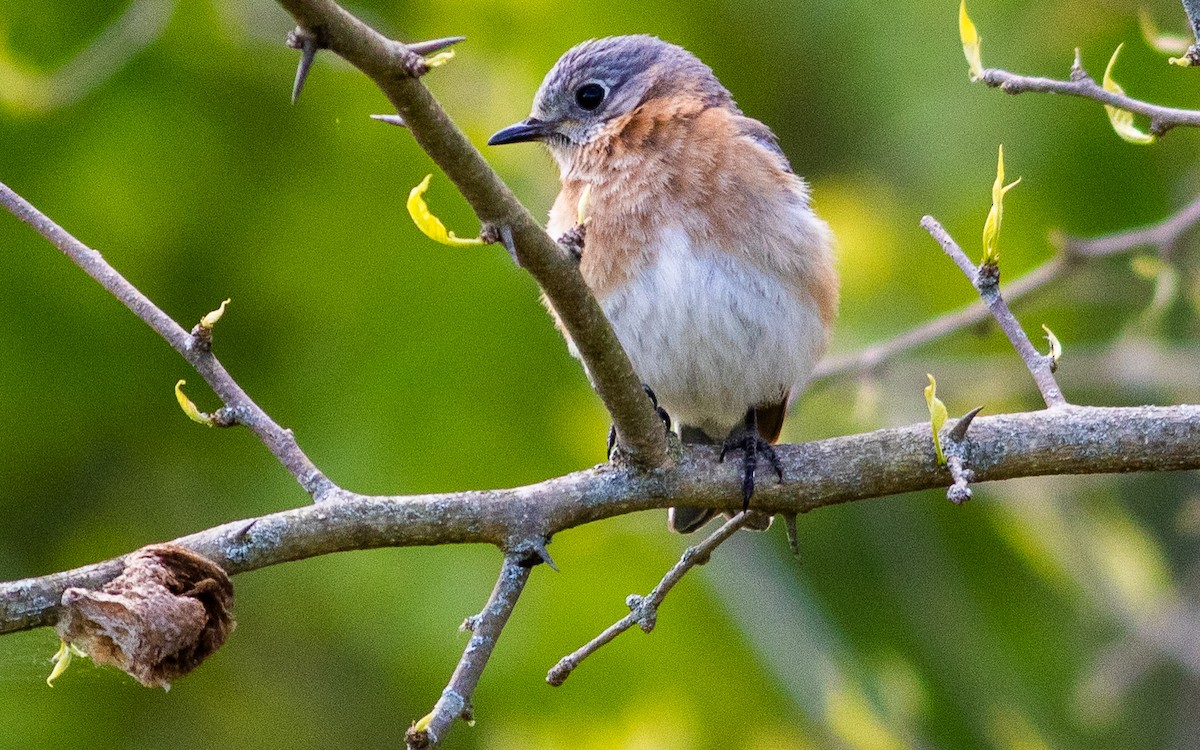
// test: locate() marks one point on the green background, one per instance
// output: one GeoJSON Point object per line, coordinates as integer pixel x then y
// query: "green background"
{"type": "Point", "coordinates": [1031, 617]}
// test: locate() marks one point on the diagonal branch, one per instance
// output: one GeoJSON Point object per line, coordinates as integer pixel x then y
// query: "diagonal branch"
{"type": "Point", "coordinates": [874, 356]}
{"type": "Point", "coordinates": [197, 352]}
{"type": "Point", "coordinates": [986, 279]}
{"type": "Point", "coordinates": [1163, 236]}
{"type": "Point", "coordinates": [1192, 8]}
{"type": "Point", "coordinates": [392, 66]}
{"type": "Point", "coordinates": [1071, 440]}
{"type": "Point", "coordinates": [643, 610]}
{"type": "Point", "coordinates": [139, 26]}
{"type": "Point", "coordinates": [486, 627]}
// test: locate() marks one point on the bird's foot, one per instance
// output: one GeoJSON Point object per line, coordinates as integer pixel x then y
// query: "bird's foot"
{"type": "Point", "coordinates": [752, 445]}
{"type": "Point", "coordinates": [661, 412]}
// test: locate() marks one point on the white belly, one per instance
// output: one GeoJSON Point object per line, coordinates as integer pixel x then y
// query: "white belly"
{"type": "Point", "coordinates": [713, 335]}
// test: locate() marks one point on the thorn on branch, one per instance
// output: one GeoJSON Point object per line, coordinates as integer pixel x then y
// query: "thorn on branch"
{"type": "Point", "coordinates": [957, 449]}
{"type": "Point", "coordinates": [958, 433]}
{"type": "Point", "coordinates": [308, 41]}
{"type": "Point", "coordinates": [789, 524]}
{"type": "Point", "coordinates": [533, 552]}
{"type": "Point", "coordinates": [415, 63]}
{"type": "Point", "coordinates": [491, 234]}
{"type": "Point", "coordinates": [394, 119]}
{"type": "Point", "coordinates": [435, 45]}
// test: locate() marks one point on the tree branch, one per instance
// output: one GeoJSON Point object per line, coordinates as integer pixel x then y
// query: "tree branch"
{"type": "Point", "coordinates": [391, 66]}
{"type": "Point", "coordinates": [1162, 119]}
{"type": "Point", "coordinates": [486, 627]}
{"type": "Point", "coordinates": [986, 279]}
{"type": "Point", "coordinates": [1163, 236]}
{"type": "Point", "coordinates": [873, 357]}
{"type": "Point", "coordinates": [139, 26]}
{"type": "Point", "coordinates": [1069, 440]}
{"type": "Point", "coordinates": [197, 351]}
{"type": "Point", "coordinates": [643, 610]}
{"type": "Point", "coordinates": [1192, 8]}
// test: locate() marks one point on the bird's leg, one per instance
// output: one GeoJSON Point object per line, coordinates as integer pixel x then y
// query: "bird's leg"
{"type": "Point", "coordinates": [746, 438]}
{"type": "Point", "coordinates": [661, 412]}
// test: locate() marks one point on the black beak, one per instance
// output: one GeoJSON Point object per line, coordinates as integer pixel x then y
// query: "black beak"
{"type": "Point", "coordinates": [526, 130]}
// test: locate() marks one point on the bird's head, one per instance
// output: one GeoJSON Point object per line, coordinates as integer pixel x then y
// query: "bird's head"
{"type": "Point", "coordinates": [600, 80]}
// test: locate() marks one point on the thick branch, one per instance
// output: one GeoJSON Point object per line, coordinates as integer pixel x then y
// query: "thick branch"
{"type": "Point", "coordinates": [1070, 440]}
{"type": "Point", "coordinates": [278, 440]}
{"type": "Point", "coordinates": [486, 627]}
{"type": "Point", "coordinates": [389, 64]}
{"type": "Point", "coordinates": [1081, 84]}
{"type": "Point", "coordinates": [986, 279]}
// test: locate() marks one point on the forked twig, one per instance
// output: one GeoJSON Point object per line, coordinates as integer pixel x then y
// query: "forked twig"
{"type": "Point", "coordinates": [986, 280]}
{"type": "Point", "coordinates": [643, 610]}
{"type": "Point", "coordinates": [485, 628]}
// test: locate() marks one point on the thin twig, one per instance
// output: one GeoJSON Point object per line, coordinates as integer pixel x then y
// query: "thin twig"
{"type": "Point", "coordinates": [393, 68]}
{"type": "Point", "coordinates": [986, 279]}
{"type": "Point", "coordinates": [874, 356]}
{"type": "Point", "coordinates": [1164, 236]}
{"type": "Point", "coordinates": [1080, 440]}
{"type": "Point", "coordinates": [278, 440]}
{"type": "Point", "coordinates": [1082, 84]}
{"type": "Point", "coordinates": [140, 25]}
{"type": "Point", "coordinates": [643, 611]}
{"type": "Point", "coordinates": [486, 627]}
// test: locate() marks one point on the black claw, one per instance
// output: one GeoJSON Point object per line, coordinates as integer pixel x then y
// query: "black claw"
{"type": "Point", "coordinates": [747, 439]}
{"type": "Point", "coordinates": [661, 412]}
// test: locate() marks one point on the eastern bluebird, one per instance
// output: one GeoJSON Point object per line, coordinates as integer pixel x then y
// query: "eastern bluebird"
{"type": "Point", "coordinates": [701, 245]}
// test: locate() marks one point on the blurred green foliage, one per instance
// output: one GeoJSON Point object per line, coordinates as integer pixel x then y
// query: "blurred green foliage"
{"type": "Point", "coordinates": [1026, 618]}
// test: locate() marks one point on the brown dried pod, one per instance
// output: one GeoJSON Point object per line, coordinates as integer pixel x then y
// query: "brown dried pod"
{"type": "Point", "coordinates": [165, 614]}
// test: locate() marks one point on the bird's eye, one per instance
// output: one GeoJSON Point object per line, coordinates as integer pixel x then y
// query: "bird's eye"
{"type": "Point", "coordinates": [589, 96]}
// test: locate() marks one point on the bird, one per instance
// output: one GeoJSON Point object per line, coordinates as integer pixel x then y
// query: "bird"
{"type": "Point", "coordinates": [702, 246]}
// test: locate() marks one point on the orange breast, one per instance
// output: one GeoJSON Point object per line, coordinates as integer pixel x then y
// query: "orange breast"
{"type": "Point", "coordinates": [681, 165]}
